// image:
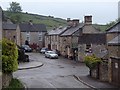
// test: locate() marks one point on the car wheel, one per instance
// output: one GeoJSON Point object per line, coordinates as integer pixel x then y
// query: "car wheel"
{"type": "Point", "coordinates": [50, 57]}
{"type": "Point", "coordinates": [45, 56]}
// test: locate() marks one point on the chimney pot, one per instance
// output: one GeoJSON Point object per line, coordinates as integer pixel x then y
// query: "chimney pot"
{"type": "Point", "coordinates": [68, 19]}
{"type": "Point", "coordinates": [88, 19]}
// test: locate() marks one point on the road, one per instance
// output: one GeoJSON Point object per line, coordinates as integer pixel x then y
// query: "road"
{"type": "Point", "coordinates": [55, 73]}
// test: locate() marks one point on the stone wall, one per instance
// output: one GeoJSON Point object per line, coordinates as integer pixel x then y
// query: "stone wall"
{"type": "Point", "coordinates": [100, 72]}
{"type": "Point", "coordinates": [103, 71]}
{"type": "Point", "coordinates": [6, 78]}
{"type": "Point", "coordinates": [94, 73]}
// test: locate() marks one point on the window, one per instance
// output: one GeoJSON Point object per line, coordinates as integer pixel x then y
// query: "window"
{"type": "Point", "coordinates": [88, 46]}
{"type": "Point", "coordinates": [28, 38]}
{"type": "Point", "coordinates": [27, 33]}
{"type": "Point", "coordinates": [40, 38]}
{"type": "Point", "coordinates": [39, 33]}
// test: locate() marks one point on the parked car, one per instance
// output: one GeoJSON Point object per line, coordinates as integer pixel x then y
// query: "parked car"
{"type": "Point", "coordinates": [57, 52]}
{"type": "Point", "coordinates": [43, 50]}
{"type": "Point", "coordinates": [22, 57]}
{"type": "Point", "coordinates": [27, 48]}
{"type": "Point", "coordinates": [51, 54]}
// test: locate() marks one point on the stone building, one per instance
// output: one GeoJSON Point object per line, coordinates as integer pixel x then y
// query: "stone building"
{"type": "Point", "coordinates": [113, 36]}
{"type": "Point", "coordinates": [52, 38]}
{"type": "Point", "coordinates": [33, 33]}
{"type": "Point", "coordinates": [0, 23]}
{"type": "Point", "coordinates": [11, 32]}
{"type": "Point", "coordinates": [92, 44]}
{"type": "Point", "coordinates": [69, 39]}
{"type": "Point", "coordinates": [71, 36]}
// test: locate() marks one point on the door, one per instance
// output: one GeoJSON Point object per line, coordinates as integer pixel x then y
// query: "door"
{"type": "Point", "coordinates": [115, 71]}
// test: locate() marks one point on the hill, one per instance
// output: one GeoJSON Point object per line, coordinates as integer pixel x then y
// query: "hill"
{"type": "Point", "coordinates": [103, 28]}
{"type": "Point", "coordinates": [49, 21]}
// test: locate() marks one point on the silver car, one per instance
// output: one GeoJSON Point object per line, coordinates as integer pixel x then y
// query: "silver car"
{"type": "Point", "coordinates": [51, 54]}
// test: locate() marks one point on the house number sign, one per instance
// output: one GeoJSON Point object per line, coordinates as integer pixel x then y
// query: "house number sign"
{"type": "Point", "coordinates": [116, 65]}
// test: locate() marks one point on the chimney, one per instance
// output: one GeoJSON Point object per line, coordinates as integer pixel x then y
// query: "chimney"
{"type": "Point", "coordinates": [88, 20]}
{"type": "Point", "coordinates": [30, 22]}
{"type": "Point", "coordinates": [69, 22]}
{"type": "Point", "coordinates": [75, 22]}
{"type": "Point", "coordinates": [68, 19]}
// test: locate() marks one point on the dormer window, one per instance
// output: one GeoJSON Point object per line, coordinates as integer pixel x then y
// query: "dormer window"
{"type": "Point", "coordinates": [27, 33]}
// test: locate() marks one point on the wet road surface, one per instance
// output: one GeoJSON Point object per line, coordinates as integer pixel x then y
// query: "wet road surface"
{"type": "Point", "coordinates": [55, 73]}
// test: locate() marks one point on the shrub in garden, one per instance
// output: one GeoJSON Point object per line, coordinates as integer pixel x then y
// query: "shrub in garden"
{"type": "Point", "coordinates": [9, 56]}
{"type": "Point", "coordinates": [91, 61]}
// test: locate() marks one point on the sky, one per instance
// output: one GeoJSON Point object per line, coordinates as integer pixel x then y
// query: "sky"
{"type": "Point", "coordinates": [102, 11]}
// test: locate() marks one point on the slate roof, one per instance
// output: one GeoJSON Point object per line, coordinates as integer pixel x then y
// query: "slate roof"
{"type": "Point", "coordinates": [57, 31]}
{"type": "Point", "coordinates": [115, 41]}
{"type": "Point", "coordinates": [92, 39]}
{"type": "Point", "coordinates": [72, 30]}
{"type": "Point", "coordinates": [114, 28]}
{"type": "Point", "coordinates": [32, 27]}
{"type": "Point", "coordinates": [8, 26]}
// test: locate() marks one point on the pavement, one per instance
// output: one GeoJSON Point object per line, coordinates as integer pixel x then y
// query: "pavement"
{"type": "Point", "coordinates": [29, 65]}
{"type": "Point", "coordinates": [96, 83]}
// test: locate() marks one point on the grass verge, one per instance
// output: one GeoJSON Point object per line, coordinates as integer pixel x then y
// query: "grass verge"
{"type": "Point", "coordinates": [15, 84]}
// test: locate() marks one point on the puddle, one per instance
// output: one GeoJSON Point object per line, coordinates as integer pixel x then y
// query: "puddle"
{"type": "Point", "coordinates": [61, 76]}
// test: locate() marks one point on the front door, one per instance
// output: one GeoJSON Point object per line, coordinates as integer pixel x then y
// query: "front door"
{"type": "Point", "coordinates": [115, 71]}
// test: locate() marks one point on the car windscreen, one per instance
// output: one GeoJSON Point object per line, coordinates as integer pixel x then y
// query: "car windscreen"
{"type": "Point", "coordinates": [52, 52]}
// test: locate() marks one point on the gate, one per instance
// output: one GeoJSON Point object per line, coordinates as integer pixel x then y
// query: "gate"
{"type": "Point", "coordinates": [115, 71]}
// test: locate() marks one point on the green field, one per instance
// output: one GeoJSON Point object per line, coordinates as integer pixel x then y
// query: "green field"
{"type": "Point", "coordinates": [49, 21]}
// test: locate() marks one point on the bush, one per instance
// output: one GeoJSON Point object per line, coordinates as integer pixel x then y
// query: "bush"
{"type": "Point", "coordinates": [92, 61]}
{"type": "Point", "coordinates": [9, 56]}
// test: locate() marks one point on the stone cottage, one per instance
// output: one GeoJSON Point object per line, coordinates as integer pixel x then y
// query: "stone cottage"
{"type": "Point", "coordinates": [71, 36]}
{"type": "Point", "coordinates": [33, 33]}
{"type": "Point", "coordinates": [52, 38]}
{"type": "Point", "coordinates": [11, 32]}
{"type": "Point", "coordinates": [92, 44]}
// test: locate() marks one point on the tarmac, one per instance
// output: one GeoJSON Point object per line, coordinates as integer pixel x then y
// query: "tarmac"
{"type": "Point", "coordinates": [87, 80]}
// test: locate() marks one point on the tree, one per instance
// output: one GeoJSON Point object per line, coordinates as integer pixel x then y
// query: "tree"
{"type": "Point", "coordinates": [14, 7]}
{"type": "Point", "coordinates": [15, 14]}
{"type": "Point", "coordinates": [111, 23]}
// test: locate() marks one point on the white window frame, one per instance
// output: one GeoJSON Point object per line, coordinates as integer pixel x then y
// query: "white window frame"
{"type": "Point", "coordinates": [40, 36]}
{"type": "Point", "coordinates": [27, 33]}
{"type": "Point", "coordinates": [28, 38]}
{"type": "Point", "coordinates": [39, 33]}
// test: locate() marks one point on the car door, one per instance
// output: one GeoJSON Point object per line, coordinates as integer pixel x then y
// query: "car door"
{"type": "Point", "coordinates": [46, 54]}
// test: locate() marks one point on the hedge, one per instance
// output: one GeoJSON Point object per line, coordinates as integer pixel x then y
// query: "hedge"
{"type": "Point", "coordinates": [9, 56]}
{"type": "Point", "coordinates": [91, 61]}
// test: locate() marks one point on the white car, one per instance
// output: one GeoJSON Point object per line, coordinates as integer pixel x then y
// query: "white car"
{"type": "Point", "coordinates": [51, 54]}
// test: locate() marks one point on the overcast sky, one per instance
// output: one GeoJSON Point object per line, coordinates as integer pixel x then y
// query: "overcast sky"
{"type": "Point", "coordinates": [102, 11]}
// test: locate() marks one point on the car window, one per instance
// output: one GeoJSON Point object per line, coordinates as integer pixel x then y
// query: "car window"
{"type": "Point", "coordinates": [52, 52]}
